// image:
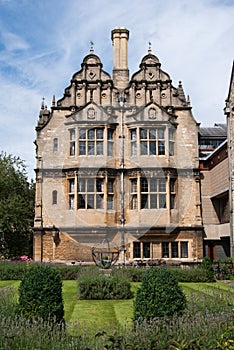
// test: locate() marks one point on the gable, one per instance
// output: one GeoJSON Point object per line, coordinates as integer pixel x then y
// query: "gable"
{"type": "Point", "coordinates": [151, 113]}
{"type": "Point", "coordinates": [91, 113]}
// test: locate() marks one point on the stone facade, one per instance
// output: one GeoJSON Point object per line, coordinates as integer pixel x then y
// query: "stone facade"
{"type": "Point", "coordinates": [117, 159]}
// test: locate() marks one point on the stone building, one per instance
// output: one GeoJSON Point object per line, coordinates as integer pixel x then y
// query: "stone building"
{"type": "Point", "coordinates": [117, 159]}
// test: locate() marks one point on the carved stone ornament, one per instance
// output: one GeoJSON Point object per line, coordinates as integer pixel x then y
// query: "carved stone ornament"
{"type": "Point", "coordinates": [91, 113]}
{"type": "Point", "coordinates": [152, 113]}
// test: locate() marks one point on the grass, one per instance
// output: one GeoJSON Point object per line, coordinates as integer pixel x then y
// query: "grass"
{"type": "Point", "coordinates": [102, 324]}
{"type": "Point", "coordinates": [99, 314]}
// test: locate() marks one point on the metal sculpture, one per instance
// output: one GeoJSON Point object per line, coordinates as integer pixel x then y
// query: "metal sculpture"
{"type": "Point", "coordinates": [105, 254]}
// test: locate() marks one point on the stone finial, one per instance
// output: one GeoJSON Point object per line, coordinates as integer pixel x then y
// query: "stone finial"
{"type": "Point", "coordinates": [180, 90]}
{"type": "Point", "coordinates": [53, 101]}
{"type": "Point", "coordinates": [149, 48]}
{"type": "Point", "coordinates": [91, 47]}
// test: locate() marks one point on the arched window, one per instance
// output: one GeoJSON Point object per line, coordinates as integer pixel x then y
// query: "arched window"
{"type": "Point", "coordinates": [54, 197]}
{"type": "Point", "coordinates": [55, 145]}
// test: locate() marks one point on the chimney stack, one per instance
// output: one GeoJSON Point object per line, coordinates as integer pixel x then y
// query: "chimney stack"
{"type": "Point", "coordinates": [119, 37]}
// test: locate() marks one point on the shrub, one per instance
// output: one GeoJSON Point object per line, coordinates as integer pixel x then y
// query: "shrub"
{"type": "Point", "coordinates": [159, 295]}
{"type": "Point", "coordinates": [207, 265]}
{"type": "Point", "coordinates": [132, 273]}
{"type": "Point", "coordinates": [12, 270]}
{"type": "Point", "coordinates": [94, 285]}
{"type": "Point", "coordinates": [197, 274]}
{"type": "Point", "coordinates": [40, 294]}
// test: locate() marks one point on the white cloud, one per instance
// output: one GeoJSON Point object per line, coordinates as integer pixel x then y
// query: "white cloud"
{"type": "Point", "coordinates": [42, 49]}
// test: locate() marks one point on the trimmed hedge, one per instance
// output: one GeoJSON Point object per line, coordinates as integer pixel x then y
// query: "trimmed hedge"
{"type": "Point", "coordinates": [197, 274]}
{"type": "Point", "coordinates": [11, 270]}
{"type": "Point", "coordinates": [159, 295]}
{"type": "Point", "coordinates": [93, 285]}
{"type": "Point", "coordinates": [40, 294]}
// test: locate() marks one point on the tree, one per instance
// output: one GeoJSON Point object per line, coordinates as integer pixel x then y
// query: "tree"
{"type": "Point", "coordinates": [16, 208]}
{"type": "Point", "coordinates": [159, 295]}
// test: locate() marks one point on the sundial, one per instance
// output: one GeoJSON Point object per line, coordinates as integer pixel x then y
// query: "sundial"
{"type": "Point", "coordinates": [105, 254]}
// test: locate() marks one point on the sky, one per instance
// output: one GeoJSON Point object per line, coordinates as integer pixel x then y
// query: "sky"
{"type": "Point", "coordinates": [43, 43]}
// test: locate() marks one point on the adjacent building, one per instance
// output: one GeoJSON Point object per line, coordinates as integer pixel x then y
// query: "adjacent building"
{"type": "Point", "coordinates": [118, 160]}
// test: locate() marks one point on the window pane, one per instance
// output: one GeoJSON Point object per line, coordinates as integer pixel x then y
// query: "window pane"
{"type": "Point", "coordinates": [100, 185]}
{"type": "Point", "coordinates": [152, 134]}
{"type": "Point", "coordinates": [55, 145]}
{"type": "Point", "coordinates": [99, 148]}
{"type": "Point", "coordinates": [72, 135]}
{"type": "Point", "coordinates": [165, 250]}
{"type": "Point", "coordinates": [162, 185]}
{"type": "Point", "coordinates": [90, 186]}
{"type": "Point", "coordinates": [54, 197]}
{"type": "Point", "coordinates": [134, 185]}
{"type": "Point", "coordinates": [71, 185]}
{"type": "Point", "coordinates": [161, 133]}
{"type": "Point", "coordinates": [144, 201]}
{"type": "Point", "coordinates": [72, 148]}
{"type": "Point", "coordinates": [82, 134]}
{"type": "Point", "coordinates": [82, 150]}
{"type": "Point", "coordinates": [110, 148]}
{"type": "Point", "coordinates": [99, 134]}
{"type": "Point", "coordinates": [184, 249]}
{"type": "Point", "coordinates": [133, 134]}
{"type": "Point", "coordinates": [153, 185]}
{"type": "Point", "coordinates": [143, 134]}
{"type": "Point", "coordinates": [81, 201]}
{"type": "Point", "coordinates": [100, 201]}
{"type": "Point", "coordinates": [134, 148]}
{"type": "Point", "coordinates": [110, 200]}
{"type": "Point", "coordinates": [174, 250]}
{"type": "Point", "coordinates": [136, 250]}
{"type": "Point", "coordinates": [153, 201]}
{"type": "Point", "coordinates": [143, 148]}
{"type": "Point", "coordinates": [152, 147]}
{"type": "Point", "coordinates": [81, 184]}
{"type": "Point", "coordinates": [71, 202]}
{"type": "Point", "coordinates": [91, 134]}
{"type": "Point", "coordinates": [161, 147]}
{"type": "Point", "coordinates": [162, 201]}
{"type": "Point", "coordinates": [134, 201]}
{"type": "Point", "coordinates": [90, 204]}
{"type": "Point", "coordinates": [110, 186]}
{"type": "Point", "coordinates": [110, 133]}
{"type": "Point", "coordinates": [146, 249]}
{"type": "Point", "coordinates": [144, 185]}
{"type": "Point", "coordinates": [91, 147]}
{"type": "Point", "coordinates": [171, 148]}
{"type": "Point", "coordinates": [171, 135]}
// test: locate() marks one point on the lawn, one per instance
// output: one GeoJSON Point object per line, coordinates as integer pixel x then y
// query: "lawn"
{"type": "Point", "coordinates": [101, 314]}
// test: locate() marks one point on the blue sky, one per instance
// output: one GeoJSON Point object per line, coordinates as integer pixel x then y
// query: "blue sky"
{"type": "Point", "coordinates": [43, 42]}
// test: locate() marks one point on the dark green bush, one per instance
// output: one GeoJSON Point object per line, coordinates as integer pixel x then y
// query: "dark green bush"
{"type": "Point", "coordinates": [94, 285]}
{"type": "Point", "coordinates": [40, 294]}
{"type": "Point", "coordinates": [197, 274]}
{"type": "Point", "coordinates": [12, 270]}
{"type": "Point", "coordinates": [207, 265]}
{"type": "Point", "coordinates": [132, 273]}
{"type": "Point", "coordinates": [159, 295]}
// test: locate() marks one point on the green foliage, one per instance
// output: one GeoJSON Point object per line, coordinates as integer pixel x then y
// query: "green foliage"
{"type": "Point", "coordinates": [40, 294]}
{"type": "Point", "coordinates": [197, 274]}
{"type": "Point", "coordinates": [207, 265]}
{"type": "Point", "coordinates": [132, 273]}
{"type": "Point", "coordinates": [12, 270]}
{"type": "Point", "coordinates": [95, 285]}
{"type": "Point", "coordinates": [16, 208]}
{"type": "Point", "coordinates": [159, 295]}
